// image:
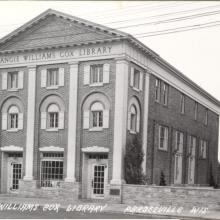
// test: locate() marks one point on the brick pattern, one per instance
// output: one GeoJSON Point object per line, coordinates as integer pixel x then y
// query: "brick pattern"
{"type": "Point", "coordinates": [85, 137]}
{"type": "Point", "coordinates": [186, 197]}
{"type": "Point", "coordinates": [171, 117]}
{"type": "Point", "coordinates": [66, 191]}
{"type": "Point", "coordinates": [53, 31]}
{"type": "Point", "coordinates": [48, 138]}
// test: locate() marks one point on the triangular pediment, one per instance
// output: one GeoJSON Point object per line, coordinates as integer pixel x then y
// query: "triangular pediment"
{"type": "Point", "coordinates": [52, 29]}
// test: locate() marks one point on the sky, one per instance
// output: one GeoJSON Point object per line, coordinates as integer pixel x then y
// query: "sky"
{"type": "Point", "coordinates": [196, 53]}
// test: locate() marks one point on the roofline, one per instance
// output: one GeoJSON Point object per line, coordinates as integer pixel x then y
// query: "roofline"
{"type": "Point", "coordinates": [119, 35]}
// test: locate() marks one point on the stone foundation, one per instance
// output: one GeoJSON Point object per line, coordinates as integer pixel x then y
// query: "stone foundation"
{"type": "Point", "coordinates": [114, 193]}
{"type": "Point", "coordinates": [66, 190]}
{"type": "Point", "coordinates": [188, 197]}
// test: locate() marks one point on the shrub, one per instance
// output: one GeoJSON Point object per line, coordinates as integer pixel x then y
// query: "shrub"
{"type": "Point", "coordinates": [133, 162]}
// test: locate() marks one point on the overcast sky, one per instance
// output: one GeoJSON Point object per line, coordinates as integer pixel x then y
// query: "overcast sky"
{"type": "Point", "coordinates": [195, 53]}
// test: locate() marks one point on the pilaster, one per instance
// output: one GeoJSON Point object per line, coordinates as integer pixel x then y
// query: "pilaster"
{"type": "Point", "coordinates": [30, 123]}
{"type": "Point", "coordinates": [120, 119]}
{"type": "Point", "coordinates": [145, 124]}
{"type": "Point", "coordinates": [72, 119]}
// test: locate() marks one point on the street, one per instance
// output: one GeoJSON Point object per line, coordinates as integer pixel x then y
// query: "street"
{"type": "Point", "coordinates": [62, 214]}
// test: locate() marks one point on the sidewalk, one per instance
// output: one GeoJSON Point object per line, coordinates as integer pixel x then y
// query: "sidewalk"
{"type": "Point", "coordinates": [109, 208]}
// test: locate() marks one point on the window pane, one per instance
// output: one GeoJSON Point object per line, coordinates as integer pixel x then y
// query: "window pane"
{"type": "Point", "coordinates": [13, 80]}
{"type": "Point", "coordinates": [13, 121]}
{"type": "Point", "coordinates": [50, 171]}
{"type": "Point", "coordinates": [136, 78]}
{"type": "Point", "coordinates": [52, 77]}
{"type": "Point", "coordinates": [96, 75]}
{"type": "Point", "coordinates": [53, 119]}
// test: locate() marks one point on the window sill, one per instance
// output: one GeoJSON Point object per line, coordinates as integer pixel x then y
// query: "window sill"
{"type": "Point", "coordinates": [132, 132]}
{"type": "Point", "coordinates": [52, 87]}
{"type": "Point", "coordinates": [136, 89]}
{"type": "Point", "coordinates": [96, 129]}
{"type": "Point", "coordinates": [95, 84]}
{"type": "Point", "coordinates": [13, 130]}
{"type": "Point", "coordinates": [161, 149]}
{"type": "Point", "coordinates": [52, 129]}
{"type": "Point", "coordinates": [13, 90]}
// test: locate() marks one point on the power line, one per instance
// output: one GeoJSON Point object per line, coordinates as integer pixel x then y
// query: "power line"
{"type": "Point", "coordinates": [116, 11]}
{"type": "Point", "coordinates": [210, 13]}
{"type": "Point", "coordinates": [146, 34]}
{"type": "Point", "coordinates": [173, 19]}
{"type": "Point", "coordinates": [166, 14]}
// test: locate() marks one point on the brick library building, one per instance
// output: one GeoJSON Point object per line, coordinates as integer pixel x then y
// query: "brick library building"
{"type": "Point", "coordinates": [72, 93]}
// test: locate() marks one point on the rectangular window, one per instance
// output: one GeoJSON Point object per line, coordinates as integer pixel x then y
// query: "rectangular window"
{"type": "Point", "coordinates": [157, 90]}
{"type": "Point", "coordinates": [13, 121]}
{"type": "Point", "coordinates": [96, 74]}
{"type": "Point", "coordinates": [163, 138]}
{"type": "Point", "coordinates": [53, 117]}
{"type": "Point", "coordinates": [13, 80]}
{"type": "Point", "coordinates": [52, 77]}
{"type": "Point", "coordinates": [182, 104]}
{"type": "Point", "coordinates": [136, 78]}
{"type": "Point", "coordinates": [51, 169]}
{"type": "Point", "coordinates": [165, 93]}
{"type": "Point", "coordinates": [203, 149]}
{"type": "Point", "coordinates": [179, 141]}
{"type": "Point", "coordinates": [196, 111]}
{"type": "Point", "coordinates": [97, 119]}
{"type": "Point", "coordinates": [206, 117]}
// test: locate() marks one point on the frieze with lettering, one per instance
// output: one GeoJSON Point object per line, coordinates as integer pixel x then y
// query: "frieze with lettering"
{"type": "Point", "coordinates": [54, 55]}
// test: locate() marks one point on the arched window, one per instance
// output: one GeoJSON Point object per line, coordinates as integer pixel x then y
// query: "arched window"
{"type": "Point", "coordinates": [52, 113]}
{"type": "Point", "coordinates": [96, 112]}
{"type": "Point", "coordinates": [97, 115]}
{"type": "Point", "coordinates": [12, 115]}
{"type": "Point", "coordinates": [134, 116]}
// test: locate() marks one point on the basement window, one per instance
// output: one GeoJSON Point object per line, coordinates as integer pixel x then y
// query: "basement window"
{"type": "Point", "coordinates": [51, 169]}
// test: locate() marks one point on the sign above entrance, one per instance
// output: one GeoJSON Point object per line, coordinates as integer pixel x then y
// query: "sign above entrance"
{"type": "Point", "coordinates": [51, 55]}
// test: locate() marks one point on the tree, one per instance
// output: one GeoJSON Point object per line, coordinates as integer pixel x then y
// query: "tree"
{"type": "Point", "coordinates": [133, 161]}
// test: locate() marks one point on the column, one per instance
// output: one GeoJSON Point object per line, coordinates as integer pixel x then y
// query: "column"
{"type": "Point", "coordinates": [72, 119]}
{"type": "Point", "coordinates": [30, 123]}
{"type": "Point", "coordinates": [145, 125]}
{"type": "Point", "coordinates": [120, 119]}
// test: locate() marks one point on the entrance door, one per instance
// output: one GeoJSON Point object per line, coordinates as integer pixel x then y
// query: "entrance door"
{"type": "Point", "coordinates": [178, 161]}
{"type": "Point", "coordinates": [191, 160]}
{"type": "Point", "coordinates": [98, 180]}
{"type": "Point", "coordinates": [14, 173]}
{"type": "Point", "coordinates": [97, 175]}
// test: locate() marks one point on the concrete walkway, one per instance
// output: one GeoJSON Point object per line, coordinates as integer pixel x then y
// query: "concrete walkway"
{"type": "Point", "coordinates": [109, 208]}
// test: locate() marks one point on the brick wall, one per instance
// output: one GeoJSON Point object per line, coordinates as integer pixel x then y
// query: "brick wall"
{"type": "Point", "coordinates": [14, 138]}
{"type": "Point", "coordinates": [187, 197]}
{"type": "Point", "coordinates": [171, 117]}
{"type": "Point", "coordinates": [87, 138]}
{"type": "Point", "coordinates": [47, 138]}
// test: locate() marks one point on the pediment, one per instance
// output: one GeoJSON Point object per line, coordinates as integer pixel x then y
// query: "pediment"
{"type": "Point", "coordinates": [52, 29]}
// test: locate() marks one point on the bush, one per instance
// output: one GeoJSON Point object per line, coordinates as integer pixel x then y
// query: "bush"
{"type": "Point", "coordinates": [133, 162]}
{"type": "Point", "coordinates": [211, 179]}
{"type": "Point", "coordinates": [162, 179]}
